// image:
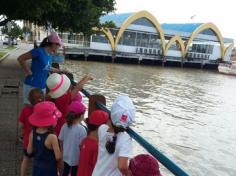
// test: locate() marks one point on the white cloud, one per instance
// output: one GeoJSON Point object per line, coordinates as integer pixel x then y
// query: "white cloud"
{"type": "Point", "coordinates": [221, 13]}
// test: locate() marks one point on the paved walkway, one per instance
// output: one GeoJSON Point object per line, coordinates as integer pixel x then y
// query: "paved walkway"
{"type": "Point", "coordinates": [11, 77]}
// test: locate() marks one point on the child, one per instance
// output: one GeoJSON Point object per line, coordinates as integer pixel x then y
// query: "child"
{"type": "Point", "coordinates": [43, 144]}
{"type": "Point", "coordinates": [71, 135]}
{"type": "Point", "coordinates": [35, 96]}
{"type": "Point", "coordinates": [115, 146]}
{"type": "Point", "coordinates": [144, 165]}
{"type": "Point", "coordinates": [89, 146]}
{"type": "Point", "coordinates": [62, 95]}
{"type": "Point", "coordinates": [78, 96]}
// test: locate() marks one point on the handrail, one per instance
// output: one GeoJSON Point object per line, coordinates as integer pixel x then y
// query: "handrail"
{"type": "Point", "coordinates": [170, 165]}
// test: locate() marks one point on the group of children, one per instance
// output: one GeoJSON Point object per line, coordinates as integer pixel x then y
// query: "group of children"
{"type": "Point", "coordinates": [59, 144]}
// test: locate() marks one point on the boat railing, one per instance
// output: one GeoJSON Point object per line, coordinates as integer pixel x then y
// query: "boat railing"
{"type": "Point", "coordinates": [165, 161]}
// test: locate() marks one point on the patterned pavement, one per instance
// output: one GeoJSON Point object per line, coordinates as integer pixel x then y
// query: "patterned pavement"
{"type": "Point", "coordinates": [11, 77]}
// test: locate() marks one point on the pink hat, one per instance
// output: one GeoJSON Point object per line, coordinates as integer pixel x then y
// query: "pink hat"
{"type": "Point", "coordinates": [45, 114]}
{"type": "Point", "coordinates": [54, 38]}
{"type": "Point", "coordinates": [144, 164]}
{"type": "Point", "coordinates": [78, 97]}
{"type": "Point", "coordinates": [77, 107]}
{"type": "Point", "coordinates": [98, 118]}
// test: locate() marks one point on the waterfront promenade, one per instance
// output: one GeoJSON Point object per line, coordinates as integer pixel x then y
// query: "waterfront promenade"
{"type": "Point", "coordinates": [11, 77]}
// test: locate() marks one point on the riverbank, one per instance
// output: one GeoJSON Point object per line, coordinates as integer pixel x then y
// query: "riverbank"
{"type": "Point", "coordinates": [11, 77]}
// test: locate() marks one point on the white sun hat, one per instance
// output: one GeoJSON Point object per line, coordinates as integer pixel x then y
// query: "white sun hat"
{"type": "Point", "coordinates": [122, 111]}
{"type": "Point", "coordinates": [58, 85]}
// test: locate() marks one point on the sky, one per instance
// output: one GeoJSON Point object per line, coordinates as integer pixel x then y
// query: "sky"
{"type": "Point", "coordinates": [220, 12]}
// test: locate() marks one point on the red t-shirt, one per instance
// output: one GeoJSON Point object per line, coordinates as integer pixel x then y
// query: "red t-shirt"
{"type": "Point", "coordinates": [88, 156]}
{"type": "Point", "coordinates": [24, 119]}
{"type": "Point", "coordinates": [62, 104]}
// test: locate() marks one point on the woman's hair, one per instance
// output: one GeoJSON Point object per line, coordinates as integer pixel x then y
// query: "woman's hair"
{"type": "Point", "coordinates": [35, 95]}
{"type": "Point", "coordinates": [56, 65]}
{"type": "Point", "coordinates": [111, 144]}
{"type": "Point", "coordinates": [45, 43]}
{"type": "Point", "coordinates": [71, 117]}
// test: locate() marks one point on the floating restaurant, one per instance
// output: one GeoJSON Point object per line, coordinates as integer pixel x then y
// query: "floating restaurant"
{"type": "Point", "coordinates": [140, 38]}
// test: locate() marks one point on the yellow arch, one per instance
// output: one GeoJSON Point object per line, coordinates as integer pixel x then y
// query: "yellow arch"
{"type": "Point", "coordinates": [202, 28]}
{"type": "Point", "coordinates": [138, 15]}
{"type": "Point", "coordinates": [178, 40]}
{"type": "Point", "coordinates": [109, 36]}
{"type": "Point", "coordinates": [228, 47]}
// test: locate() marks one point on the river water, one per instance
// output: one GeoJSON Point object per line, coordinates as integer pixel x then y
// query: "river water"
{"type": "Point", "coordinates": [188, 114]}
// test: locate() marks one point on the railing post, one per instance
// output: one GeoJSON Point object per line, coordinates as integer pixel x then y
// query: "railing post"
{"type": "Point", "coordinates": [182, 62]}
{"type": "Point", "coordinates": [140, 58]}
{"type": "Point", "coordinates": [86, 55]}
{"type": "Point", "coordinates": [113, 56]}
{"type": "Point", "coordinates": [163, 61]}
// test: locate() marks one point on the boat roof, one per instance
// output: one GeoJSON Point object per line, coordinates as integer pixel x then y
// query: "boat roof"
{"type": "Point", "coordinates": [183, 27]}
{"type": "Point", "coordinates": [118, 19]}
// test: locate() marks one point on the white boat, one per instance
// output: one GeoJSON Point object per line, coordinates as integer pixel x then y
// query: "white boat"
{"type": "Point", "coordinates": [227, 68]}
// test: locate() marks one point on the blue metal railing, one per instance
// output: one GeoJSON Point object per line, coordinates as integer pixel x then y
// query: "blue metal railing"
{"type": "Point", "coordinates": [171, 166]}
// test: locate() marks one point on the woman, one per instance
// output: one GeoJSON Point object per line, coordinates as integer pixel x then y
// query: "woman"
{"type": "Point", "coordinates": [37, 74]}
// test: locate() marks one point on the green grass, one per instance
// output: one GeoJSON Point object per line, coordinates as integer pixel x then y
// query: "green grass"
{"type": "Point", "coordinates": [10, 48]}
{"type": "Point", "coordinates": [2, 54]}
{"type": "Point", "coordinates": [6, 50]}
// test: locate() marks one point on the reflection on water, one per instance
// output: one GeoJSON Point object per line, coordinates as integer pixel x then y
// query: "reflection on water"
{"type": "Point", "coordinates": [188, 114]}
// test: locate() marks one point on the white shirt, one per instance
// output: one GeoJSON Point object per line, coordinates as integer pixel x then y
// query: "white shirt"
{"type": "Point", "coordinates": [71, 138]}
{"type": "Point", "coordinates": [107, 164]}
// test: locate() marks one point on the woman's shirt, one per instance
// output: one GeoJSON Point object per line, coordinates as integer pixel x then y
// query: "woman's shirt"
{"type": "Point", "coordinates": [40, 67]}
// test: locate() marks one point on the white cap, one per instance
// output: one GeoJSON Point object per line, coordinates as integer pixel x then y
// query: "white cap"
{"type": "Point", "coordinates": [58, 85]}
{"type": "Point", "coordinates": [122, 111]}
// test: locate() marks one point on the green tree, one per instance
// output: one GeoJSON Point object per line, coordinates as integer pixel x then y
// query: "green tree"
{"type": "Point", "coordinates": [13, 30]}
{"type": "Point", "coordinates": [64, 15]}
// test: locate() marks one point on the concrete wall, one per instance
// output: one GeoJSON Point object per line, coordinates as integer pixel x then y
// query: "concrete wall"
{"type": "Point", "coordinates": [100, 46]}
{"type": "Point", "coordinates": [127, 49]}
{"type": "Point", "coordinates": [174, 53]}
{"type": "Point", "coordinates": [216, 53]}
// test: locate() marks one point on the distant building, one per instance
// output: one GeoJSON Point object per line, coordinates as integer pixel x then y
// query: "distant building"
{"type": "Point", "coordinates": [38, 32]}
{"type": "Point", "coordinates": [139, 36]}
